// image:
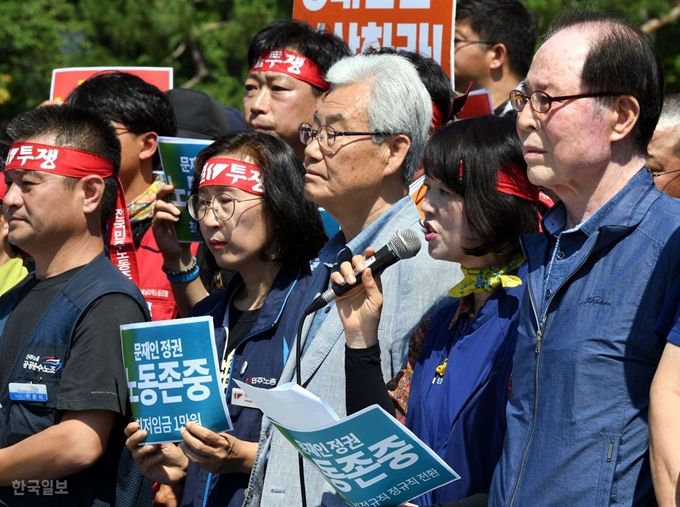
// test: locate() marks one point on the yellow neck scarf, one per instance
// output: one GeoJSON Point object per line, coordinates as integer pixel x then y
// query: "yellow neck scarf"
{"type": "Point", "coordinates": [488, 279]}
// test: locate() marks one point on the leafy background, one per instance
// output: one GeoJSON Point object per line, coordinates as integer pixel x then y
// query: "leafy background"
{"type": "Point", "coordinates": [205, 41]}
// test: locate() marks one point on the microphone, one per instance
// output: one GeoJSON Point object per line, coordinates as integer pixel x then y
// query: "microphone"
{"type": "Point", "coordinates": [404, 244]}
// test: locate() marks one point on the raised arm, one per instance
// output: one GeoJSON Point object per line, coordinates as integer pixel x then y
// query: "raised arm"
{"type": "Point", "coordinates": [360, 315]}
{"type": "Point", "coordinates": [360, 308]}
{"type": "Point", "coordinates": [177, 256]}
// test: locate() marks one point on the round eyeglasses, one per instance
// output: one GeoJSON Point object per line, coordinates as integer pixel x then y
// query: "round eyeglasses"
{"type": "Point", "coordinates": [222, 205]}
{"type": "Point", "coordinates": [541, 101]}
{"type": "Point", "coordinates": [326, 134]}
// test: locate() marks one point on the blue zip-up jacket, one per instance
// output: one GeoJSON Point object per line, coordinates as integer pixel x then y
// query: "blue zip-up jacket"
{"type": "Point", "coordinates": [258, 360]}
{"type": "Point", "coordinates": [586, 355]}
{"type": "Point", "coordinates": [461, 414]}
{"type": "Point", "coordinates": [51, 338]}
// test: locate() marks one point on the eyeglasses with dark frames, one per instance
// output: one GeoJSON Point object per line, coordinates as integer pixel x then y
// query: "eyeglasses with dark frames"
{"type": "Point", "coordinates": [326, 134]}
{"type": "Point", "coordinates": [541, 101]}
{"type": "Point", "coordinates": [222, 205]}
{"type": "Point", "coordinates": [491, 42]}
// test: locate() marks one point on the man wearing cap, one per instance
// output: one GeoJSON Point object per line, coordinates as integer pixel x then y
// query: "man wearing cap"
{"type": "Point", "coordinates": [62, 382]}
{"type": "Point", "coordinates": [199, 116]}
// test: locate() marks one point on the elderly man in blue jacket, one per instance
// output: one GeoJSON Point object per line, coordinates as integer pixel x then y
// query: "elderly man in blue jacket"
{"type": "Point", "coordinates": [598, 274]}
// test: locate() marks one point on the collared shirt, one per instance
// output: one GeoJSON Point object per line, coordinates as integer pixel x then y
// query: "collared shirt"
{"type": "Point", "coordinates": [336, 251]}
{"type": "Point", "coordinates": [582, 371]}
{"type": "Point", "coordinates": [566, 243]}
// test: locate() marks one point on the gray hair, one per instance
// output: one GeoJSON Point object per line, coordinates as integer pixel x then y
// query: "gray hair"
{"type": "Point", "coordinates": [670, 114]}
{"type": "Point", "coordinates": [670, 117]}
{"type": "Point", "coordinates": [399, 102]}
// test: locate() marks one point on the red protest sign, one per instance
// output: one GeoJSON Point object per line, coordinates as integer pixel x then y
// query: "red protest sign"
{"type": "Point", "coordinates": [423, 26]}
{"type": "Point", "coordinates": [65, 80]}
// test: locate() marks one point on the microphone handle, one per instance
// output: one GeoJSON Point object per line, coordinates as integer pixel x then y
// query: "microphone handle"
{"type": "Point", "coordinates": [378, 262]}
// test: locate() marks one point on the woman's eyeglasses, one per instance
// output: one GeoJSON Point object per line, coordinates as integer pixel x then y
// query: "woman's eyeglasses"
{"type": "Point", "coordinates": [222, 205]}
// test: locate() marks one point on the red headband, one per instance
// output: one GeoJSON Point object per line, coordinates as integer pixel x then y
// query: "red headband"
{"type": "Point", "coordinates": [74, 163]}
{"type": "Point", "coordinates": [512, 180]}
{"type": "Point", "coordinates": [291, 63]}
{"type": "Point", "coordinates": [42, 157]}
{"type": "Point", "coordinates": [228, 172]}
{"type": "Point", "coordinates": [437, 117]}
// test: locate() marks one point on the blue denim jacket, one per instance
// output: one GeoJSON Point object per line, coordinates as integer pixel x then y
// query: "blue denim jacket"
{"type": "Point", "coordinates": [586, 355]}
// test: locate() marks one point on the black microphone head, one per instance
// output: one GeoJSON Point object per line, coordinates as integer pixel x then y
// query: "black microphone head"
{"type": "Point", "coordinates": [405, 243]}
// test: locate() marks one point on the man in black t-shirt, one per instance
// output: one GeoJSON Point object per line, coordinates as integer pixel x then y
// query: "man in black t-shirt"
{"type": "Point", "coordinates": [62, 383]}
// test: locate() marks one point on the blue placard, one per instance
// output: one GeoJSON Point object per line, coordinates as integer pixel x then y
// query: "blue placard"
{"type": "Point", "coordinates": [178, 156]}
{"type": "Point", "coordinates": [371, 459]}
{"type": "Point", "coordinates": [173, 377]}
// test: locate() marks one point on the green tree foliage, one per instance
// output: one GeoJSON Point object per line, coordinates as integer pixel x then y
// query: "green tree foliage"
{"type": "Point", "coordinates": [34, 39]}
{"type": "Point", "coordinates": [658, 17]}
{"type": "Point", "coordinates": [205, 41]}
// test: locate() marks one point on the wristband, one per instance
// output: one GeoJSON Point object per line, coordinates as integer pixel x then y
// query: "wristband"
{"type": "Point", "coordinates": [193, 265]}
{"type": "Point", "coordinates": [185, 276]}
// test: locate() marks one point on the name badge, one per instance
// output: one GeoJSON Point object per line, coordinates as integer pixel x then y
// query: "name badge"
{"type": "Point", "coordinates": [27, 392]}
{"type": "Point", "coordinates": [239, 398]}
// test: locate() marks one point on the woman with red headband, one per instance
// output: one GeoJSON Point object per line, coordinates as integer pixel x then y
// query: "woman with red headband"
{"type": "Point", "coordinates": [453, 390]}
{"type": "Point", "coordinates": [248, 200]}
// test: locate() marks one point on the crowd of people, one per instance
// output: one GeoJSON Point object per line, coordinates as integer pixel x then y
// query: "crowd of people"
{"type": "Point", "coordinates": [533, 343]}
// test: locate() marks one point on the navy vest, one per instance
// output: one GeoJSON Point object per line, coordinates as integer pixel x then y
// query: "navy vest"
{"type": "Point", "coordinates": [48, 347]}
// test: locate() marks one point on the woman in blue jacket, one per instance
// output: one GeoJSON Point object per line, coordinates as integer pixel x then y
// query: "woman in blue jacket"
{"type": "Point", "coordinates": [453, 390]}
{"type": "Point", "coordinates": [248, 200]}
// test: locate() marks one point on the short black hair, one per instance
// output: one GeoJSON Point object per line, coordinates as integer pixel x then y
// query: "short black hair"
{"type": "Point", "coordinates": [484, 144]}
{"type": "Point", "coordinates": [4, 151]}
{"type": "Point", "coordinates": [300, 232]}
{"type": "Point", "coordinates": [504, 21]}
{"type": "Point", "coordinates": [622, 59]}
{"type": "Point", "coordinates": [322, 47]}
{"type": "Point", "coordinates": [432, 75]}
{"type": "Point", "coordinates": [127, 99]}
{"type": "Point", "coordinates": [74, 127]}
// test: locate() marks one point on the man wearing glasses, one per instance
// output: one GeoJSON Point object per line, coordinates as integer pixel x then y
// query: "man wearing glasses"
{"type": "Point", "coordinates": [493, 44]}
{"type": "Point", "coordinates": [598, 274]}
{"type": "Point", "coordinates": [664, 148]}
{"type": "Point", "coordinates": [361, 154]}
{"type": "Point", "coordinates": [140, 113]}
